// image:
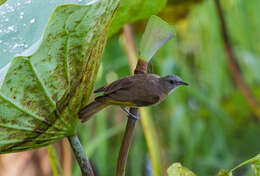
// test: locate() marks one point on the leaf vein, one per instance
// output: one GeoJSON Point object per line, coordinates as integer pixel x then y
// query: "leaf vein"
{"type": "Point", "coordinates": [26, 111]}
{"type": "Point", "coordinates": [29, 129]}
{"type": "Point", "coordinates": [46, 92]}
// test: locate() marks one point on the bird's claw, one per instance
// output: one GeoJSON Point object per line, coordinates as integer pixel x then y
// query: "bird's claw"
{"type": "Point", "coordinates": [130, 115]}
{"type": "Point", "coordinates": [135, 117]}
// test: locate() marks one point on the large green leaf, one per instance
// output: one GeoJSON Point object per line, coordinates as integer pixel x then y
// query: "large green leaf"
{"type": "Point", "coordinates": [130, 11]}
{"type": "Point", "coordinates": [42, 93]}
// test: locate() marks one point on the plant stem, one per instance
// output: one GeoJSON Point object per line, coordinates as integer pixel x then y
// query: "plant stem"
{"type": "Point", "coordinates": [152, 141]}
{"type": "Point", "coordinates": [233, 64]}
{"type": "Point", "coordinates": [54, 159]}
{"type": "Point", "coordinates": [80, 155]}
{"type": "Point", "coordinates": [141, 68]}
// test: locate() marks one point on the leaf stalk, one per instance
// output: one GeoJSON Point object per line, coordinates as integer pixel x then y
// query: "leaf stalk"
{"type": "Point", "coordinates": [80, 155]}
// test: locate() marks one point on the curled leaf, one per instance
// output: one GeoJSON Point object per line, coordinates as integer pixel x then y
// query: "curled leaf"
{"type": "Point", "coordinates": [157, 33]}
{"type": "Point", "coordinates": [177, 169]}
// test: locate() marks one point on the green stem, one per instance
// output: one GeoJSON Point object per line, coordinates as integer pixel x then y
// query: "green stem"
{"type": "Point", "coordinates": [252, 160]}
{"type": "Point", "coordinates": [80, 155]}
{"type": "Point", "coordinates": [152, 141]}
{"type": "Point", "coordinates": [54, 159]}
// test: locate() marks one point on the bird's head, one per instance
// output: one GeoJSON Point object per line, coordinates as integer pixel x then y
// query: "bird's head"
{"type": "Point", "coordinates": [171, 82]}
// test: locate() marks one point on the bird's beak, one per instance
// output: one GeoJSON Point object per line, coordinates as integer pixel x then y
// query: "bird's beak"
{"type": "Point", "coordinates": [183, 83]}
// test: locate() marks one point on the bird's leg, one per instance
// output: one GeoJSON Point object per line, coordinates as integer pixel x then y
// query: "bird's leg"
{"type": "Point", "coordinates": [136, 117]}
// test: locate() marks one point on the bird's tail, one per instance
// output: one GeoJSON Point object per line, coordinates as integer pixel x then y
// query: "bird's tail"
{"type": "Point", "coordinates": [88, 111]}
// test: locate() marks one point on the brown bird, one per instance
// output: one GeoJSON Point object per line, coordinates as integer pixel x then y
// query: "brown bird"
{"type": "Point", "coordinates": [132, 91]}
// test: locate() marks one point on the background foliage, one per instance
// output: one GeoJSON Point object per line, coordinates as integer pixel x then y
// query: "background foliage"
{"type": "Point", "coordinates": [207, 126]}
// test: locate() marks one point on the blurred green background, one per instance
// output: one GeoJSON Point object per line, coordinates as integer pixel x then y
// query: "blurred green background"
{"type": "Point", "coordinates": [207, 126]}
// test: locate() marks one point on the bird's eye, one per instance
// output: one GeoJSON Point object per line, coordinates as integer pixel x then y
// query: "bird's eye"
{"type": "Point", "coordinates": [171, 81]}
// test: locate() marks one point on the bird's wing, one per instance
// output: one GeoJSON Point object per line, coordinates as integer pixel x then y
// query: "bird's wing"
{"type": "Point", "coordinates": [101, 89]}
{"type": "Point", "coordinates": [116, 85]}
{"type": "Point", "coordinates": [131, 91]}
{"type": "Point", "coordinates": [146, 100]}
{"type": "Point", "coordinates": [127, 99]}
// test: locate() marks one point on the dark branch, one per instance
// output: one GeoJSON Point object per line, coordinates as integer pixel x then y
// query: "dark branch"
{"type": "Point", "coordinates": [141, 68]}
{"type": "Point", "coordinates": [233, 64]}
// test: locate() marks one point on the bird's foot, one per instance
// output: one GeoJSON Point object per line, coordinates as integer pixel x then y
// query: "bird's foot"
{"type": "Point", "coordinates": [130, 115]}
{"type": "Point", "coordinates": [135, 117]}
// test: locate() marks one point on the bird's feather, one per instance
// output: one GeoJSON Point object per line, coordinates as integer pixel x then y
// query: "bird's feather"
{"type": "Point", "coordinates": [101, 89]}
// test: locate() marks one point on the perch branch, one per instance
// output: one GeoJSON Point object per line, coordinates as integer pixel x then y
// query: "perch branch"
{"type": "Point", "coordinates": [80, 155]}
{"type": "Point", "coordinates": [233, 64]}
{"type": "Point", "coordinates": [141, 68]}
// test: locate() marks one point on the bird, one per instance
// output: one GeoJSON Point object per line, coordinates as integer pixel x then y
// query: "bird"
{"type": "Point", "coordinates": [138, 90]}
